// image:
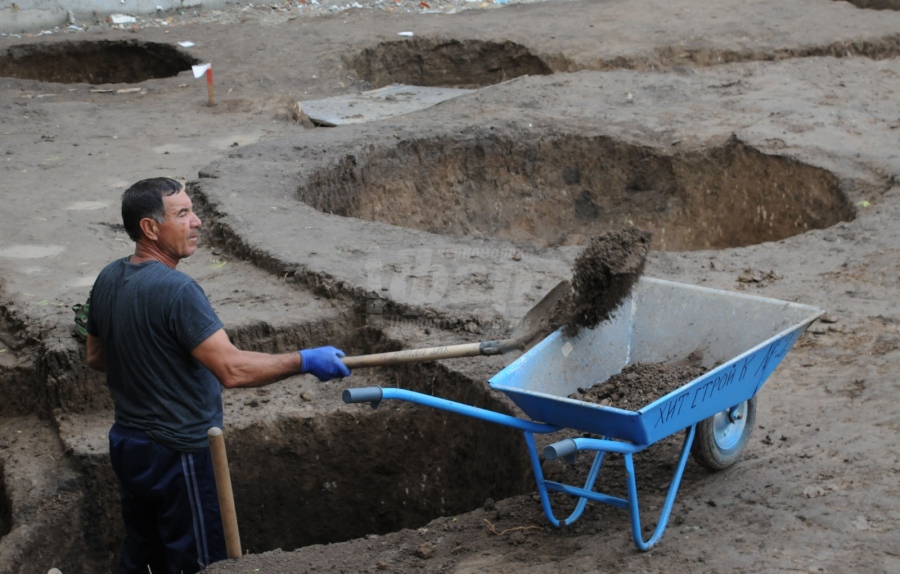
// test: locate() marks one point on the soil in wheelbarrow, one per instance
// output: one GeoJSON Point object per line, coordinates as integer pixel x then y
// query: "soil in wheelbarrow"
{"type": "Point", "coordinates": [640, 384]}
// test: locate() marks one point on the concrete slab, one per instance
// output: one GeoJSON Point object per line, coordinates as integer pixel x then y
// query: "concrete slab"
{"type": "Point", "coordinates": [372, 105]}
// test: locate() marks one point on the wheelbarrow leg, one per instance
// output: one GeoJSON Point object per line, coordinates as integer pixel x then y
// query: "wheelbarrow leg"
{"type": "Point", "coordinates": [569, 447]}
{"type": "Point", "coordinates": [670, 497]}
{"type": "Point", "coordinates": [542, 484]}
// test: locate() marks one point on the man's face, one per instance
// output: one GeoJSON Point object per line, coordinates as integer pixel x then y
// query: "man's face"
{"type": "Point", "coordinates": [178, 234]}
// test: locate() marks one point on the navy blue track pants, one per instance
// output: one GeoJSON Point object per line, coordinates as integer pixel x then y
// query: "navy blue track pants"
{"type": "Point", "coordinates": [169, 505]}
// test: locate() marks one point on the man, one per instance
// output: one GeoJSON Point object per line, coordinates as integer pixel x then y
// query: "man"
{"type": "Point", "coordinates": [166, 356]}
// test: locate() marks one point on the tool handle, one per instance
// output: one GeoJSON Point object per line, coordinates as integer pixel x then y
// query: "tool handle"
{"type": "Point", "coordinates": [226, 497]}
{"type": "Point", "coordinates": [428, 354]}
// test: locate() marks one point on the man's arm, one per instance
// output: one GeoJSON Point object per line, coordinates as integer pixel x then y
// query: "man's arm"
{"type": "Point", "coordinates": [96, 358]}
{"type": "Point", "coordinates": [240, 369]}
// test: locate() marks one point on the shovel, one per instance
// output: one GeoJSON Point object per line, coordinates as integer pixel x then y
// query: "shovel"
{"type": "Point", "coordinates": [540, 319]}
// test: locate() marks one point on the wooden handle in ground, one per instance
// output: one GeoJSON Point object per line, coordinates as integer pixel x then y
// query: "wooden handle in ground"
{"type": "Point", "coordinates": [431, 354]}
{"type": "Point", "coordinates": [226, 497]}
{"type": "Point", "coordinates": [209, 88]}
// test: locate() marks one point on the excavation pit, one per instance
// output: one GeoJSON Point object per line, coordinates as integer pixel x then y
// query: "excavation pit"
{"type": "Point", "coordinates": [446, 63]}
{"type": "Point", "coordinates": [358, 471]}
{"type": "Point", "coordinates": [94, 62]}
{"type": "Point", "coordinates": [559, 191]}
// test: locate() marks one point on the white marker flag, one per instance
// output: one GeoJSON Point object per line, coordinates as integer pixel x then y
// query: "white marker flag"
{"type": "Point", "coordinates": [200, 69]}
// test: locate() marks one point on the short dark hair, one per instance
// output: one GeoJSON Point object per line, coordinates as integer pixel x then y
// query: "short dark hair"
{"type": "Point", "coordinates": [145, 199]}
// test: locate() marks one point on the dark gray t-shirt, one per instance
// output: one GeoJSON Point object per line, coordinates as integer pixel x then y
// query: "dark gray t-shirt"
{"type": "Point", "coordinates": [149, 317]}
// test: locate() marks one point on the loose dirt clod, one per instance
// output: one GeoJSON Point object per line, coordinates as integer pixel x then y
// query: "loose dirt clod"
{"type": "Point", "coordinates": [603, 276]}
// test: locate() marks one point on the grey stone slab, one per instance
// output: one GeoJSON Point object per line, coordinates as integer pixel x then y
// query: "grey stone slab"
{"type": "Point", "coordinates": [372, 105]}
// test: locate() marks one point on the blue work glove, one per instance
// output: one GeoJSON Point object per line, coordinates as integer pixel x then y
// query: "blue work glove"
{"type": "Point", "coordinates": [323, 362]}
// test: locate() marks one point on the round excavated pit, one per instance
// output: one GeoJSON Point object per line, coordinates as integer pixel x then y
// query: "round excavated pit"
{"type": "Point", "coordinates": [100, 62]}
{"type": "Point", "coordinates": [447, 63]}
{"type": "Point", "coordinates": [559, 191]}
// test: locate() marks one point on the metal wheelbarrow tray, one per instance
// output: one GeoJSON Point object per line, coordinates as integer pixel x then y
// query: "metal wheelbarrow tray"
{"type": "Point", "coordinates": [741, 339]}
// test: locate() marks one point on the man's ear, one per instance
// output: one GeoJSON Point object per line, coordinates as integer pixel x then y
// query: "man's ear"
{"type": "Point", "coordinates": [150, 228]}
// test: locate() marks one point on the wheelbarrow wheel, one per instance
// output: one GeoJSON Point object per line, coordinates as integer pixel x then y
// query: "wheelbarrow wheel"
{"type": "Point", "coordinates": [720, 439]}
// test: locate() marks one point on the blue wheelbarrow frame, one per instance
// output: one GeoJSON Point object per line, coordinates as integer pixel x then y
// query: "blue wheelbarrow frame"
{"type": "Point", "coordinates": [740, 339]}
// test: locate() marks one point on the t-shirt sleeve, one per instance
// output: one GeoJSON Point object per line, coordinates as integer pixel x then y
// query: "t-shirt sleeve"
{"type": "Point", "coordinates": [192, 317]}
{"type": "Point", "coordinates": [97, 302]}
{"type": "Point", "coordinates": [90, 327]}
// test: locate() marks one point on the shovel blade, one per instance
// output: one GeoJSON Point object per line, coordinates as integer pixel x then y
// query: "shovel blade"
{"type": "Point", "coordinates": [544, 318]}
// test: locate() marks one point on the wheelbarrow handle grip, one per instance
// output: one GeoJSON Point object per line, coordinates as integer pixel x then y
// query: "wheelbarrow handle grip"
{"type": "Point", "coordinates": [362, 395]}
{"type": "Point", "coordinates": [564, 449]}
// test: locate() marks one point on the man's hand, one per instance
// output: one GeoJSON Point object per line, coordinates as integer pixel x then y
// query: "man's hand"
{"type": "Point", "coordinates": [323, 362]}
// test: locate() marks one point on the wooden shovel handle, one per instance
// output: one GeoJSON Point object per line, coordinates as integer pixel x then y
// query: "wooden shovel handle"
{"type": "Point", "coordinates": [430, 354]}
{"type": "Point", "coordinates": [226, 497]}
{"type": "Point", "coordinates": [540, 319]}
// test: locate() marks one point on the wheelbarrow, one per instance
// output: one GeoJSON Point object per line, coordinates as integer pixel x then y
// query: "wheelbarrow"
{"type": "Point", "coordinates": [741, 339]}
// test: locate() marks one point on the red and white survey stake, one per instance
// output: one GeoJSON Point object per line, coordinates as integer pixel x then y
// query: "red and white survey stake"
{"type": "Point", "coordinates": [200, 70]}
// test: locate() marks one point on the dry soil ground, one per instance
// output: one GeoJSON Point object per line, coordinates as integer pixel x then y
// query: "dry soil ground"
{"type": "Point", "coordinates": [756, 139]}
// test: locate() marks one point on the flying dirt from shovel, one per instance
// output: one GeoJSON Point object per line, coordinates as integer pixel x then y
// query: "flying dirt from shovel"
{"type": "Point", "coordinates": [602, 277]}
